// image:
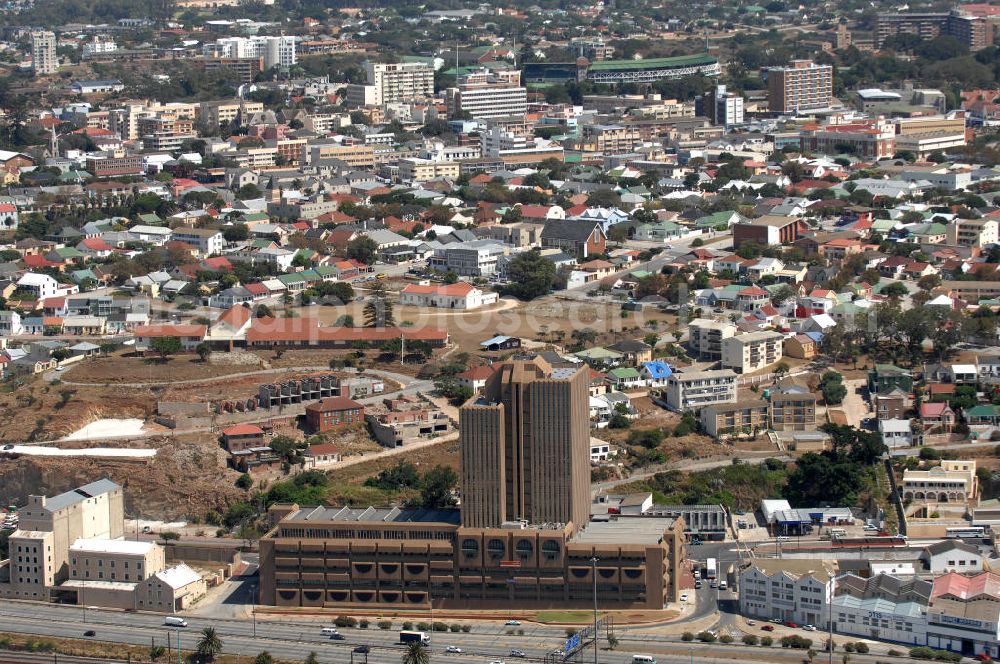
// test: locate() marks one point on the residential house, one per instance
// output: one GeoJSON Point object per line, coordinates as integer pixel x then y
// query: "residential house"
{"type": "Point", "coordinates": [333, 412]}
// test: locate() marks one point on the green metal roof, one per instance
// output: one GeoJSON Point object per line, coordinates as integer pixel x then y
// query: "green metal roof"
{"type": "Point", "coordinates": [655, 63]}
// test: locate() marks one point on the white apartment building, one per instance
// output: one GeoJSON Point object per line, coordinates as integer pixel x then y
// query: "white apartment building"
{"type": "Point", "coordinates": [705, 337]}
{"type": "Point", "coordinates": [486, 94]}
{"type": "Point", "coordinates": [276, 51]}
{"type": "Point", "coordinates": [460, 295]}
{"type": "Point", "coordinates": [475, 258]}
{"type": "Point", "coordinates": [43, 53]}
{"type": "Point", "coordinates": [207, 240]}
{"type": "Point", "coordinates": [745, 353]}
{"type": "Point", "coordinates": [392, 83]}
{"type": "Point", "coordinates": [10, 323]}
{"type": "Point", "coordinates": [972, 232]}
{"type": "Point", "coordinates": [40, 285]}
{"type": "Point", "coordinates": [99, 45]}
{"type": "Point", "coordinates": [696, 389]}
{"type": "Point", "coordinates": [787, 590]}
{"type": "Point", "coordinates": [954, 481]}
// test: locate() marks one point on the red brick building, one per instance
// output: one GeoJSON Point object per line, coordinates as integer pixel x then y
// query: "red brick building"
{"type": "Point", "coordinates": [243, 437]}
{"type": "Point", "coordinates": [334, 412]}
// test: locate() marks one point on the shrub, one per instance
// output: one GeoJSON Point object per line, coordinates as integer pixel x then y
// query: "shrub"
{"type": "Point", "coordinates": [687, 636]}
{"type": "Point", "coordinates": [725, 638]}
{"type": "Point", "coordinates": [922, 652]}
{"type": "Point", "coordinates": [750, 639]}
{"type": "Point", "coordinates": [520, 632]}
{"type": "Point", "coordinates": [455, 627]}
{"type": "Point", "coordinates": [895, 653]}
{"type": "Point", "coordinates": [385, 624]}
{"type": "Point", "coordinates": [440, 627]}
{"type": "Point", "coordinates": [796, 641]}
{"type": "Point", "coordinates": [848, 647]}
{"type": "Point", "coordinates": [570, 631]}
{"type": "Point", "coordinates": [861, 647]}
{"type": "Point", "coordinates": [407, 625]}
{"type": "Point", "coordinates": [706, 637]}
{"type": "Point", "coordinates": [345, 621]}
{"type": "Point", "coordinates": [468, 628]}
{"type": "Point", "coordinates": [766, 641]}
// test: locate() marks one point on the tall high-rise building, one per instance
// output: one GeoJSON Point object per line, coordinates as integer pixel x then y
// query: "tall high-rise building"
{"type": "Point", "coordinates": [721, 107]}
{"type": "Point", "coordinates": [486, 94]}
{"type": "Point", "coordinates": [393, 83]}
{"type": "Point", "coordinates": [525, 448]}
{"type": "Point", "coordinates": [43, 53]}
{"type": "Point", "coordinates": [973, 25]}
{"type": "Point", "coordinates": [801, 86]}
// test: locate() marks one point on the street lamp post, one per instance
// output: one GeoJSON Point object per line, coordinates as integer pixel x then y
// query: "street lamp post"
{"type": "Point", "coordinates": [593, 563]}
{"type": "Point", "coordinates": [253, 609]}
{"type": "Point", "coordinates": [829, 624]}
{"type": "Point", "coordinates": [178, 645]}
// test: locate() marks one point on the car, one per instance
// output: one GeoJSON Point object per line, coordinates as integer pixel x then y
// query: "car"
{"type": "Point", "coordinates": [776, 621]}
{"type": "Point", "coordinates": [328, 631]}
{"type": "Point", "coordinates": [453, 649]}
{"type": "Point", "coordinates": [789, 623]}
{"type": "Point", "coordinates": [338, 637]}
{"type": "Point", "coordinates": [722, 585]}
{"type": "Point", "coordinates": [363, 649]}
{"type": "Point", "coordinates": [751, 623]}
{"type": "Point", "coordinates": [809, 628]}
{"type": "Point", "coordinates": [513, 623]}
{"type": "Point", "coordinates": [983, 657]}
{"type": "Point", "coordinates": [695, 542]}
{"type": "Point", "coordinates": [90, 632]}
{"type": "Point", "coordinates": [767, 628]}
{"type": "Point", "coordinates": [497, 661]}
{"type": "Point", "coordinates": [8, 446]}
{"type": "Point", "coordinates": [517, 653]}
{"type": "Point", "coordinates": [697, 585]}
{"type": "Point", "coordinates": [684, 597]}
{"type": "Point", "coordinates": [60, 368]}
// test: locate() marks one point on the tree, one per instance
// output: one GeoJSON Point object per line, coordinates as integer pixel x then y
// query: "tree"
{"type": "Point", "coordinates": [166, 346]}
{"type": "Point", "coordinates": [311, 658]}
{"type": "Point", "coordinates": [831, 384]}
{"type": "Point", "coordinates": [378, 308]}
{"type": "Point", "coordinates": [436, 487]}
{"type": "Point", "coordinates": [416, 653]}
{"type": "Point", "coordinates": [531, 275]}
{"type": "Point", "coordinates": [209, 645]}
{"type": "Point", "coordinates": [244, 482]}
{"type": "Point", "coordinates": [363, 249]}
{"type": "Point", "coordinates": [895, 290]}
{"type": "Point", "coordinates": [263, 658]}
{"type": "Point", "coordinates": [236, 233]}
{"type": "Point", "coordinates": [204, 350]}
{"type": "Point", "coordinates": [263, 311]}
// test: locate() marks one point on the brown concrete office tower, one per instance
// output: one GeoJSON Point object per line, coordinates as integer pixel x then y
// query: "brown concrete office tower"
{"type": "Point", "coordinates": [525, 448]}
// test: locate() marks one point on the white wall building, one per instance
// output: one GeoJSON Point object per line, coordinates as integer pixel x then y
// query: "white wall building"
{"type": "Point", "coordinates": [276, 51]}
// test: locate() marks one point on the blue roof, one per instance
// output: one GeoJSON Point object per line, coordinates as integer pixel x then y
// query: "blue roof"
{"type": "Point", "coordinates": [815, 336]}
{"type": "Point", "coordinates": [495, 340]}
{"type": "Point", "coordinates": [658, 369]}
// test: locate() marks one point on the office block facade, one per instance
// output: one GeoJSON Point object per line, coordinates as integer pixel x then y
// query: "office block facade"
{"type": "Point", "coordinates": [522, 538]}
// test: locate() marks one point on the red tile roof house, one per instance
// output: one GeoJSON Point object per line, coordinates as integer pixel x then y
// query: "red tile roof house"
{"type": "Point", "coordinates": [334, 412]}
{"type": "Point", "coordinates": [475, 378]}
{"type": "Point", "coordinates": [323, 454]}
{"type": "Point", "coordinates": [242, 437]}
{"type": "Point", "coordinates": [937, 414]}
{"type": "Point", "coordinates": [190, 335]}
{"type": "Point", "coordinates": [461, 295]}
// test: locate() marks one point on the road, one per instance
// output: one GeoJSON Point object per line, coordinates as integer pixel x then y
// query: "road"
{"type": "Point", "coordinates": [295, 640]}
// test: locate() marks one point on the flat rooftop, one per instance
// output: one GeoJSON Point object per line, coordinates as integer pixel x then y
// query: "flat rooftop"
{"type": "Point", "coordinates": [112, 546]}
{"type": "Point", "coordinates": [376, 515]}
{"type": "Point", "coordinates": [629, 530]}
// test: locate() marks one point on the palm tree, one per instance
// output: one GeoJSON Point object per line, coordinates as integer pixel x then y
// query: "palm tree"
{"type": "Point", "coordinates": [416, 653]}
{"type": "Point", "coordinates": [312, 658]}
{"type": "Point", "coordinates": [209, 645]}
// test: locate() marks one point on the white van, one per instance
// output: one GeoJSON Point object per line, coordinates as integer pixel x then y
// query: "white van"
{"type": "Point", "coordinates": [174, 621]}
{"type": "Point", "coordinates": [328, 631]}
